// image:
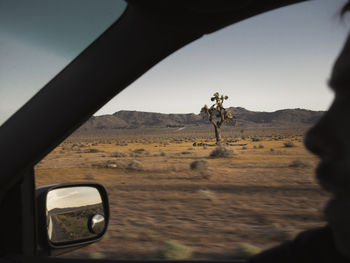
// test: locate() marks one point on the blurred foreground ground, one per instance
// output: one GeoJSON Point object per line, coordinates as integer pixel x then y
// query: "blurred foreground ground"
{"type": "Point", "coordinates": [224, 208]}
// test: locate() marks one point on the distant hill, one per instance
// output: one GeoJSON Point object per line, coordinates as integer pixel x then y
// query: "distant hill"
{"type": "Point", "coordinates": [287, 117]}
{"type": "Point", "coordinates": [245, 118]}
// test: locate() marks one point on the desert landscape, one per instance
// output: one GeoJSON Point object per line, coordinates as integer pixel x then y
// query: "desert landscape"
{"type": "Point", "coordinates": [175, 195]}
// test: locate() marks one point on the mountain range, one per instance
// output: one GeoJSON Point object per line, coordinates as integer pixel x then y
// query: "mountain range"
{"type": "Point", "coordinates": [245, 118]}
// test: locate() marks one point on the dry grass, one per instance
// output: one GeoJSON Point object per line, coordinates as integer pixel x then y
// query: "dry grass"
{"type": "Point", "coordinates": [246, 250]}
{"type": "Point", "coordinates": [174, 250]}
{"type": "Point", "coordinates": [255, 198]}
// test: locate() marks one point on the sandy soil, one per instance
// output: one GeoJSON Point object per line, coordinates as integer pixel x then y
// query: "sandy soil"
{"type": "Point", "coordinates": [264, 194]}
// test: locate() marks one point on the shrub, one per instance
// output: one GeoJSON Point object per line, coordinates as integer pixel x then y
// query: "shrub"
{"type": "Point", "coordinates": [256, 139]}
{"type": "Point", "coordinates": [107, 164]}
{"type": "Point", "coordinates": [246, 250]}
{"type": "Point", "coordinates": [118, 154]}
{"type": "Point", "coordinates": [96, 255]}
{"type": "Point", "coordinates": [272, 150]}
{"type": "Point", "coordinates": [121, 144]}
{"type": "Point", "coordinates": [207, 194]}
{"type": "Point", "coordinates": [135, 165]}
{"type": "Point", "coordinates": [92, 150]}
{"type": "Point", "coordinates": [300, 163]}
{"type": "Point", "coordinates": [89, 177]}
{"type": "Point", "coordinates": [174, 250]}
{"type": "Point", "coordinates": [141, 150]}
{"type": "Point", "coordinates": [289, 144]}
{"type": "Point", "coordinates": [261, 146]}
{"type": "Point", "coordinates": [200, 164]}
{"type": "Point", "coordinates": [111, 164]}
{"type": "Point", "coordinates": [244, 147]}
{"type": "Point", "coordinates": [222, 152]}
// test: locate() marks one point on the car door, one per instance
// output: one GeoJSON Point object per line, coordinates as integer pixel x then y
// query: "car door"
{"type": "Point", "coordinates": [131, 46]}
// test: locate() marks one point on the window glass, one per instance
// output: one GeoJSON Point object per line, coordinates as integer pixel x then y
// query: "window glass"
{"type": "Point", "coordinates": [173, 193]}
{"type": "Point", "coordinates": [39, 38]}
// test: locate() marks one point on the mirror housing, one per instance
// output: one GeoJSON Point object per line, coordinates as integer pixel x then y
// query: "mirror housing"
{"type": "Point", "coordinates": [70, 216]}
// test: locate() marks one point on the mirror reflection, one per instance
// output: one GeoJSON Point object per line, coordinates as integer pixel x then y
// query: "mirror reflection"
{"type": "Point", "coordinates": [74, 213]}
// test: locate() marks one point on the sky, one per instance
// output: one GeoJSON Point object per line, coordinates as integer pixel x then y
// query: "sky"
{"type": "Point", "coordinates": [277, 60]}
{"type": "Point", "coordinates": [72, 197]}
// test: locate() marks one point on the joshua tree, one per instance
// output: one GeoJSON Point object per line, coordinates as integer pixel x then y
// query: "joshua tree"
{"type": "Point", "coordinates": [218, 115]}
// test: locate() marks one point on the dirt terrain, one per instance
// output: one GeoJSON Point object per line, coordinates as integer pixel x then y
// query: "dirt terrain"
{"type": "Point", "coordinates": [170, 199]}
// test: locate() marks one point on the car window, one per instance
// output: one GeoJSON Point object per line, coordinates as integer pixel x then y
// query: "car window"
{"type": "Point", "coordinates": [174, 193]}
{"type": "Point", "coordinates": [39, 38]}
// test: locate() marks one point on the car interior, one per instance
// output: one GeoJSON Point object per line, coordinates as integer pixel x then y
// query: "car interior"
{"type": "Point", "coordinates": [146, 33]}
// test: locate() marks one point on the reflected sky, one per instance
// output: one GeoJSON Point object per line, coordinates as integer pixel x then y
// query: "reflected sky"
{"type": "Point", "coordinates": [72, 197]}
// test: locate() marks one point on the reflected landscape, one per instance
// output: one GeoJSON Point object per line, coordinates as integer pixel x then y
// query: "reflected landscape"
{"type": "Point", "coordinates": [70, 212]}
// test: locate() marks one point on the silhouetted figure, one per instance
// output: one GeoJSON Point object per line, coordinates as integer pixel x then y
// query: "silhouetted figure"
{"type": "Point", "coordinates": [330, 140]}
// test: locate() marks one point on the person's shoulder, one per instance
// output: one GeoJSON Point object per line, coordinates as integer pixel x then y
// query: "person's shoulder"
{"type": "Point", "coordinates": [314, 245]}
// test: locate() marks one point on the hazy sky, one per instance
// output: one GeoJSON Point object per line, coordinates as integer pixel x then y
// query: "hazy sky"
{"type": "Point", "coordinates": [280, 59]}
{"type": "Point", "coordinates": [72, 197]}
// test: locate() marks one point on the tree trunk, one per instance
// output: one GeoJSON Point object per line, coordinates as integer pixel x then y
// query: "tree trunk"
{"type": "Point", "coordinates": [217, 135]}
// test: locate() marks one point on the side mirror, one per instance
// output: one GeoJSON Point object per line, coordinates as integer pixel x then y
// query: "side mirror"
{"type": "Point", "coordinates": [70, 216]}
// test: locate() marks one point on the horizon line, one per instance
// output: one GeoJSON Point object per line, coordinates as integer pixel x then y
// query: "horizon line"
{"type": "Point", "coordinates": [199, 112]}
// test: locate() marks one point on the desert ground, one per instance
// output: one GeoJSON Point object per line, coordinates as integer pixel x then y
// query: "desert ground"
{"type": "Point", "coordinates": [170, 199]}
